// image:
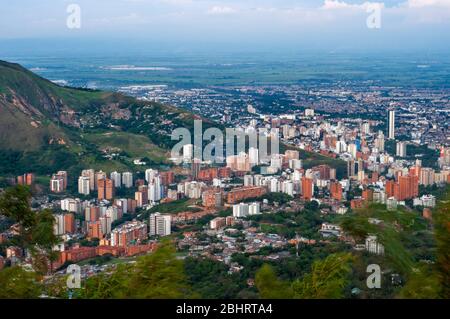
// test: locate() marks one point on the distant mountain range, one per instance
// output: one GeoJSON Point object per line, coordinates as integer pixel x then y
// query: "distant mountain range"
{"type": "Point", "coordinates": [40, 118]}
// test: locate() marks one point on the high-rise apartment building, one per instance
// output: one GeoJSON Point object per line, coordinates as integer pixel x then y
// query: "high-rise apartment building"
{"type": "Point", "coordinates": [98, 176]}
{"type": "Point", "coordinates": [128, 234]}
{"type": "Point", "coordinates": [253, 154]}
{"type": "Point", "coordinates": [407, 187]}
{"type": "Point", "coordinates": [90, 173]}
{"type": "Point", "coordinates": [155, 190]}
{"type": "Point", "coordinates": [336, 190]}
{"type": "Point", "coordinates": [379, 142]}
{"type": "Point", "coordinates": [92, 213]}
{"type": "Point", "coordinates": [127, 179]}
{"type": "Point", "coordinates": [141, 196]}
{"type": "Point", "coordinates": [391, 130]}
{"type": "Point", "coordinates": [58, 182]}
{"type": "Point", "coordinates": [69, 223]}
{"type": "Point", "coordinates": [26, 179]}
{"type": "Point", "coordinates": [401, 149]}
{"type": "Point", "coordinates": [117, 179]}
{"type": "Point", "coordinates": [160, 225]}
{"type": "Point", "coordinates": [426, 177]}
{"type": "Point", "coordinates": [84, 185]}
{"type": "Point", "coordinates": [106, 189]}
{"type": "Point", "coordinates": [307, 188]}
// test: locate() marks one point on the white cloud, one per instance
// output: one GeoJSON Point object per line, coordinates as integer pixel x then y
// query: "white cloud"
{"type": "Point", "coordinates": [221, 10]}
{"type": "Point", "coordinates": [428, 3]}
{"type": "Point", "coordinates": [336, 4]}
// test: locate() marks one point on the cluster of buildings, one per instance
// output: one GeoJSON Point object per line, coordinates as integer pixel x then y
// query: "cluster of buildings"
{"type": "Point", "coordinates": [343, 163]}
{"type": "Point", "coordinates": [58, 182]}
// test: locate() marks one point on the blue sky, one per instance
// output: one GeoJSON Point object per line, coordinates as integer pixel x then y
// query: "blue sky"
{"type": "Point", "coordinates": [330, 24]}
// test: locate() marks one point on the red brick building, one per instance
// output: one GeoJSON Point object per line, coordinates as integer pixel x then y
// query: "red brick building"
{"type": "Point", "coordinates": [77, 254]}
{"type": "Point", "coordinates": [357, 203]}
{"type": "Point", "coordinates": [95, 230]}
{"type": "Point", "coordinates": [92, 213]}
{"type": "Point", "coordinates": [167, 178]}
{"type": "Point", "coordinates": [26, 179]}
{"type": "Point", "coordinates": [336, 190]}
{"type": "Point", "coordinates": [406, 188]}
{"type": "Point", "coordinates": [239, 194]}
{"type": "Point", "coordinates": [69, 223]}
{"type": "Point", "coordinates": [390, 184]}
{"type": "Point", "coordinates": [307, 188]}
{"type": "Point", "coordinates": [224, 172]}
{"type": "Point", "coordinates": [324, 171]}
{"type": "Point", "coordinates": [208, 174]}
{"type": "Point", "coordinates": [367, 195]}
{"type": "Point", "coordinates": [212, 198]}
{"type": "Point", "coordinates": [131, 205]}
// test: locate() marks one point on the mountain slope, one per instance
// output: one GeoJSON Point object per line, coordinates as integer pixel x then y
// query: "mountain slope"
{"type": "Point", "coordinates": [37, 115]}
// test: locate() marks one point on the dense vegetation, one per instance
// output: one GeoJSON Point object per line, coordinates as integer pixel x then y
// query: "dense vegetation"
{"type": "Point", "coordinates": [329, 270]}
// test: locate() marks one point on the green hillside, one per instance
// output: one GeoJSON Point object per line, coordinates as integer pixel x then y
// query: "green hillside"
{"type": "Point", "coordinates": [44, 126]}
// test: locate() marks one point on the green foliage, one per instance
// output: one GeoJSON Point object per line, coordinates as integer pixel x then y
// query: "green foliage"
{"type": "Point", "coordinates": [17, 283]}
{"type": "Point", "coordinates": [357, 226]}
{"type": "Point", "coordinates": [14, 204]}
{"type": "Point", "coordinates": [108, 286]}
{"type": "Point", "coordinates": [442, 229]}
{"type": "Point", "coordinates": [94, 242]}
{"type": "Point", "coordinates": [269, 286]}
{"type": "Point", "coordinates": [210, 279]}
{"type": "Point", "coordinates": [36, 228]}
{"type": "Point", "coordinates": [326, 280]}
{"type": "Point", "coordinates": [305, 222]}
{"type": "Point", "coordinates": [173, 207]}
{"type": "Point", "coordinates": [159, 275]}
{"type": "Point", "coordinates": [156, 276]}
{"type": "Point", "coordinates": [428, 156]}
{"type": "Point", "coordinates": [395, 250]}
{"type": "Point", "coordinates": [394, 232]}
{"type": "Point", "coordinates": [42, 231]}
{"type": "Point", "coordinates": [280, 198]}
{"type": "Point", "coordinates": [422, 283]}
{"type": "Point", "coordinates": [47, 160]}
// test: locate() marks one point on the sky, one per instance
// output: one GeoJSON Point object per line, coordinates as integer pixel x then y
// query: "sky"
{"type": "Point", "coordinates": [334, 25]}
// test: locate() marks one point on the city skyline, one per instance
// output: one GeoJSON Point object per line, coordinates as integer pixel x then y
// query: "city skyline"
{"type": "Point", "coordinates": [225, 149]}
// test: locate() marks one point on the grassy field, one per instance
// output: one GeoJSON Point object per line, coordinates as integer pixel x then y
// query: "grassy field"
{"type": "Point", "coordinates": [137, 146]}
{"type": "Point", "coordinates": [110, 261]}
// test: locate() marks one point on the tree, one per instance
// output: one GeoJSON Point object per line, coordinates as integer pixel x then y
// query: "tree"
{"type": "Point", "coordinates": [15, 204]}
{"type": "Point", "coordinates": [442, 226]}
{"type": "Point", "coordinates": [108, 286]}
{"type": "Point", "coordinates": [423, 283]}
{"type": "Point", "coordinates": [36, 228]}
{"type": "Point", "coordinates": [156, 276]}
{"type": "Point", "coordinates": [426, 281]}
{"type": "Point", "coordinates": [17, 283]}
{"type": "Point", "coordinates": [269, 286]}
{"type": "Point", "coordinates": [210, 278]}
{"type": "Point", "coordinates": [159, 275]}
{"type": "Point", "coordinates": [326, 280]}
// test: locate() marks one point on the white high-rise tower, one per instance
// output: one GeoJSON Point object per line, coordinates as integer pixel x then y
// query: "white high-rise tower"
{"type": "Point", "coordinates": [391, 134]}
